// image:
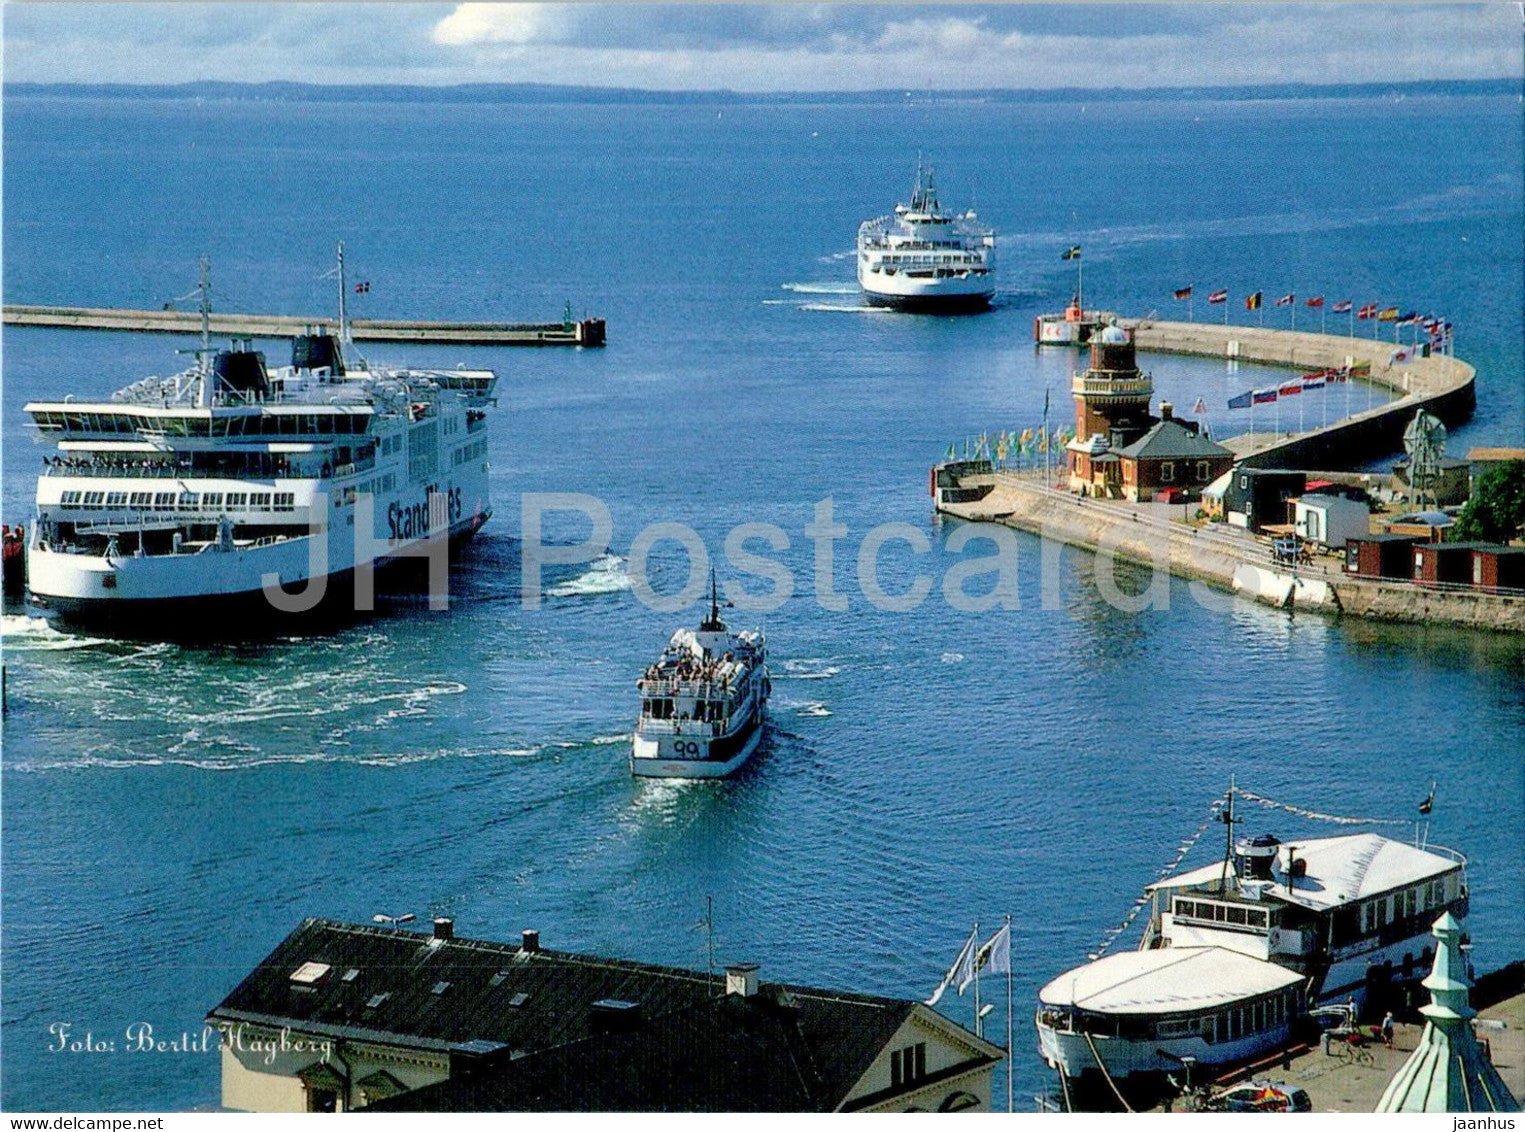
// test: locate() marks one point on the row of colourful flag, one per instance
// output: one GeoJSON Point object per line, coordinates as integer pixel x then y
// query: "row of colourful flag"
{"type": "Point", "coordinates": [1296, 386]}
{"type": "Point", "coordinates": [1011, 443]}
{"type": "Point", "coordinates": [1364, 313]}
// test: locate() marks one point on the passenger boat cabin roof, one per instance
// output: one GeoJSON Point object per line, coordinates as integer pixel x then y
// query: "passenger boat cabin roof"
{"type": "Point", "coordinates": [1166, 981]}
{"type": "Point", "coordinates": [1339, 870]}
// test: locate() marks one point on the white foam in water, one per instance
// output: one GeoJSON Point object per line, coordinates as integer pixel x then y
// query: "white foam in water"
{"type": "Point", "coordinates": [953, 658]}
{"type": "Point", "coordinates": [38, 634]}
{"type": "Point", "coordinates": [807, 668]}
{"type": "Point", "coordinates": [606, 576]}
{"type": "Point", "coordinates": [813, 708]}
{"type": "Point", "coordinates": [822, 288]}
{"type": "Point", "coordinates": [845, 309]}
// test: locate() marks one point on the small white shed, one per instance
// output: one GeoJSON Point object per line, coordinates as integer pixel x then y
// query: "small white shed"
{"type": "Point", "coordinates": [1330, 520]}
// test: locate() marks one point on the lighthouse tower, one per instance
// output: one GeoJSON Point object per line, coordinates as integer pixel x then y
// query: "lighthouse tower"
{"type": "Point", "coordinates": [1111, 411]}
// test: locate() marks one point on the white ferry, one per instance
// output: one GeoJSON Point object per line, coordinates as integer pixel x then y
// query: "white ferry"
{"type": "Point", "coordinates": [190, 491]}
{"type": "Point", "coordinates": [1238, 951]}
{"type": "Point", "coordinates": [922, 258]}
{"type": "Point", "coordinates": [703, 704]}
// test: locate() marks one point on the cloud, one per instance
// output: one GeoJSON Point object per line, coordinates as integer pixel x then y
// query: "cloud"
{"type": "Point", "coordinates": [500, 23]}
{"type": "Point", "coordinates": [759, 47]}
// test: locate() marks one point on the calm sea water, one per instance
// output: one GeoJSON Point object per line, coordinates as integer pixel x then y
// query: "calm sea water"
{"type": "Point", "coordinates": [169, 813]}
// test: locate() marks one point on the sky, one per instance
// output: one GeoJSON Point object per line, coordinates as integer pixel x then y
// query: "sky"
{"type": "Point", "coordinates": [755, 47]}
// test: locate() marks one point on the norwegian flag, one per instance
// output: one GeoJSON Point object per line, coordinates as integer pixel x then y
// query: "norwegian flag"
{"type": "Point", "coordinates": [1316, 302]}
{"type": "Point", "coordinates": [1342, 307]}
{"type": "Point", "coordinates": [1218, 297]}
{"type": "Point", "coordinates": [1368, 311]}
{"type": "Point", "coordinates": [1286, 300]}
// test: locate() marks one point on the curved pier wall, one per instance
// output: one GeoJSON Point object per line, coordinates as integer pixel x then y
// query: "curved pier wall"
{"type": "Point", "coordinates": [1443, 385]}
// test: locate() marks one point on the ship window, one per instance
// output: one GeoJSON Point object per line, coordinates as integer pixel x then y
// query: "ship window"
{"type": "Point", "coordinates": [259, 500]}
{"type": "Point", "coordinates": [189, 500]}
{"type": "Point", "coordinates": [211, 501]}
{"type": "Point", "coordinates": [142, 499]}
{"type": "Point", "coordinates": [164, 501]}
{"type": "Point", "coordinates": [285, 501]}
{"type": "Point", "coordinates": [69, 499]}
{"type": "Point", "coordinates": [116, 499]}
{"type": "Point", "coordinates": [94, 498]}
{"type": "Point", "coordinates": [238, 500]}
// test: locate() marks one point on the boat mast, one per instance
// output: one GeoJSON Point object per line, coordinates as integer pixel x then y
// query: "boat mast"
{"type": "Point", "coordinates": [204, 355]}
{"type": "Point", "coordinates": [344, 337]}
{"type": "Point", "coordinates": [1229, 821]}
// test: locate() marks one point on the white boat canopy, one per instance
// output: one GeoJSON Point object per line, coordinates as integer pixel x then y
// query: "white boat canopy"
{"type": "Point", "coordinates": [1340, 870]}
{"type": "Point", "coordinates": [1167, 980]}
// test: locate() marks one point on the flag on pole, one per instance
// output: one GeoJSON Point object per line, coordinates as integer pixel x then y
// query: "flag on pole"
{"type": "Point", "coordinates": [1290, 389]}
{"type": "Point", "coordinates": [1200, 407]}
{"type": "Point", "coordinates": [1369, 311]}
{"type": "Point", "coordinates": [1252, 303]}
{"type": "Point", "coordinates": [1316, 302]}
{"type": "Point", "coordinates": [1342, 307]}
{"type": "Point", "coordinates": [1387, 314]}
{"type": "Point", "coordinates": [961, 971]}
{"type": "Point", "coordinates": [1264, 396]}
{"type": "Point", "coordinates": [1429, 802]}
{"type": "Point", "coordinates": [1072, 252]}
{"type": "Point", "coordinates": [362, 288]}
{"type": "Point", "coordinates": [1286, 300]}
{"type": "Point", "coordinates": [1314, 380]}
{"type": "Point", "coordinates": [1217, 297]}
{"type": "Point", "coordinates": [1183, 292]}
{"type": "Point", "coordinates": [1243, 401]}
{"type": "Point", "coordinates": [994, 958]}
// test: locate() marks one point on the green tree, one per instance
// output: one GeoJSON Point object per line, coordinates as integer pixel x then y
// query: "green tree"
{"type": "Point", "coordinates": [1496, 511]}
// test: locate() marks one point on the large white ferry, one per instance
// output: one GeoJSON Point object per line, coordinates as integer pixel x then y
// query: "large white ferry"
{"type": "Point", "coordinates": [703, 704]}
{"type": "Point", "coordinates": [1236, 952]}
{"type": "Point", "coordinates": [189, 491]}
{"type": "Point", "coordinates": [922, 258]}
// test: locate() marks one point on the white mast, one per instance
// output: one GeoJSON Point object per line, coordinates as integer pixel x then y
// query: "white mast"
{"type": "Point", "coordinates": [344, 336]}
{"type": "Point", "coordinates": [204, 355]}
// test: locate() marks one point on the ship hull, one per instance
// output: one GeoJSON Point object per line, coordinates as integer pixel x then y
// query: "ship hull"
{"type": "Point", "coordinates": [228, 594]}
{"type": "Point", "coordinates": [1071, 1054]}
{"type": "Point", "coordinates": [930, 303]}
{"type": "Point", "coordinates": [723, 756]}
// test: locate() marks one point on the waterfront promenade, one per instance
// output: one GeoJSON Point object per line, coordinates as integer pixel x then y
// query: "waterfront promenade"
{"type": "Point", "coordinates": [1441, 384]}
{"type": "Point", "coordinates": [569, 332]}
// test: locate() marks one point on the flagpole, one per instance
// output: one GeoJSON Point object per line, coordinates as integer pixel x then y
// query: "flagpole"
{"type": "Point", "coordinates": [1321, 320]}
{"type": "Point", "coordinates": [1352, 318]}
{"type": "Point", "coordinates": [1294, 312]}
{"type": "Point", "coordinates": [979, 1024]}
{"type": "Point", "coordinates": [1010, 1099]}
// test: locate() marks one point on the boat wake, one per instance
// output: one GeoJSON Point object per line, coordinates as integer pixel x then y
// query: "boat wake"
{"type": "Point", "coordinates": [842, 308]}
{"type": "Point", "coordinates": [813, 709]}
{"type": "Point", "coordinates": [605, 576]}
{"type": "Point", "coordinates": [25, 633]}
{"type": "Point", "coordinates": [822, 288]}
{"type": "Point", "coordinates": [807, 668]}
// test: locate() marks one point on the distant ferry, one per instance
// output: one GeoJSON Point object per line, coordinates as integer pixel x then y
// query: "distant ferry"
{"type": "Point", "coordinates": [1237, 952]}
{"type": "Point", "coordinates": [922, 258]}
{"type": "Point", "coordinates": [703, 704]}
{"type": "Point", "coordinates": [187, 492]}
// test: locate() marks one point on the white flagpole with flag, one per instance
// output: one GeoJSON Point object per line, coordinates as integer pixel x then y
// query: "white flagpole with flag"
{"type": "Point", "coordinates": [958, 972]}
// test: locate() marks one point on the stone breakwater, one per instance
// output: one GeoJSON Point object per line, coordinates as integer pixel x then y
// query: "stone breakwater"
{"type": "Point", "coordinates": [1442, 385]}
{"type": "Point", "coordinates": [1225, 560]}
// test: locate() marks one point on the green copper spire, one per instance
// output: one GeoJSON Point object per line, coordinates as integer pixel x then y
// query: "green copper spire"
{"type": "Point", "coordinates": [1447, 1072]}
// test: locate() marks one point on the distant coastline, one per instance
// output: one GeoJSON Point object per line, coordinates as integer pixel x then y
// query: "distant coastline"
{"type": "Point", "coordinates": [542, 93]}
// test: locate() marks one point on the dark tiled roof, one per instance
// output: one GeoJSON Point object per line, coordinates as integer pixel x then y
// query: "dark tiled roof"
{"type": "Point", "coordinates": [479, 1001]}
{"type": "Point", "coordinates": [728, 1054]}
{"type": "Point", "coordinates": [531, 1013]}
{"type": "Point", "coordinates": [1171, 440]}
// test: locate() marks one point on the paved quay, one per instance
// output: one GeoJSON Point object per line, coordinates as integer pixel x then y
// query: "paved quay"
{"type": "Point", "coordinates": [584, 332]}
{"type": "Point", "coordinates": [1342, 1082]}
{"type": "Point", "coordinates": [1221, 556]}
{"type": "Point", "coordinates": [1442, 384]}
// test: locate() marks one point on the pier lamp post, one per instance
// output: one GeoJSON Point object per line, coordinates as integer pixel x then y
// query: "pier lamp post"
{"type": "Point", "coordinates": [394, 921]}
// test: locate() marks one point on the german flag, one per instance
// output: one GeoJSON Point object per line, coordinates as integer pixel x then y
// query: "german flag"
{"type": "Point", "coordinates": [1253, 302]}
